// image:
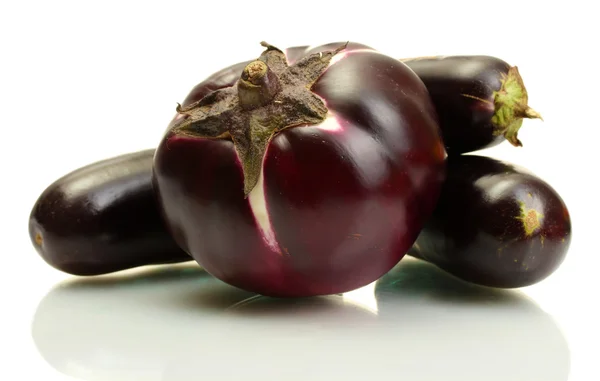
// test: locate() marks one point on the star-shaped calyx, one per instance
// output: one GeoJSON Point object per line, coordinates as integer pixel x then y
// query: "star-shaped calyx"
{"type": "Point", "coordinates": [269, 97]}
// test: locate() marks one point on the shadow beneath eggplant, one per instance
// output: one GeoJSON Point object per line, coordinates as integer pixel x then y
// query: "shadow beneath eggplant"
{"type": "Point", "coordinates": [184, 283]}
{"type": "Point", "coordinates": [136, 277]}
{"type": "Point", "coordinates": [182, 324]}
{"type": "Point", "coordinates": [416, 278]}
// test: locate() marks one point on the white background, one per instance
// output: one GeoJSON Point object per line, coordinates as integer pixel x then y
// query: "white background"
{"type": "Point", "coordinates": [83, 81]}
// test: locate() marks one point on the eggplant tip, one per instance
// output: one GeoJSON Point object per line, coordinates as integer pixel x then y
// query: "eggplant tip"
{"type": "Point", "coordinates": [38, 239]}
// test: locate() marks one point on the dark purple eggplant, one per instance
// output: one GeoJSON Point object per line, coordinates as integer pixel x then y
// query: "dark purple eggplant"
{"type": "Point", "coordinates": [103, 218]}
{"type": "Point", "coordinates": [480, 100]}
{"type": "Point", "coordinates": [307, 175]}
{"type": "Point", "coordinates": [495, 224]}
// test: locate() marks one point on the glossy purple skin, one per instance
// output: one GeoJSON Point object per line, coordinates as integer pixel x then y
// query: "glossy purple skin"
{"type": "Point", "coordinates": [345, 204]}
{"type": "Point", "coordinates": [466, 122]}
{"type": "Point", "coordinates": [103, 218]}
{"type": "Point", "coordinates": [477, 233]}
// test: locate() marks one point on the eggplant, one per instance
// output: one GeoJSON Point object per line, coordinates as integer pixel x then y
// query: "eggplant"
{"type": "Point", "coordinates": [480, 100]}
{"type": "Point", "coordinates": [103, 218]}
{"type": "Point", "coordinates": [308, 175]}
{"type": "Point", "coordinates": [496, 224]}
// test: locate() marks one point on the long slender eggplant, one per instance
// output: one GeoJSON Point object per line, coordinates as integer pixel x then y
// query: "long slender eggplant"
{"type": "Point", "coordinates": [480, 100]}
{"type": "Point", "coordinates": [103, 218]}
{"type": "Point", "coordinates": [495, 224]}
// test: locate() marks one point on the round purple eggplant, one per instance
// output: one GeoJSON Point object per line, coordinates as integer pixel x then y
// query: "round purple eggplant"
{"type": "Point", "coordinates": [480, 100]}
{"type": "Point", "coordinates": [304, 175]}
{"type": "Point", "coordinates": [103, 218]}
{"type": "Point", "coordinates": [495, 224]}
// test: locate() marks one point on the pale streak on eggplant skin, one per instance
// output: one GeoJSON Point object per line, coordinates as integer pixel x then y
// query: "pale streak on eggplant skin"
{"type": "Point", "coordinates": [258, 205]}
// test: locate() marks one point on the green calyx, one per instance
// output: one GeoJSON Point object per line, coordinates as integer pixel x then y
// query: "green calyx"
{"type": "Point", "coordinates": [510, 105]}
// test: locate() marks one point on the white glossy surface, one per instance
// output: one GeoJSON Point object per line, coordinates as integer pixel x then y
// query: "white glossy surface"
{"type": "Point", "coordinates": [182, 324]}
{"type": "Point", "coordinates": [82, 81]}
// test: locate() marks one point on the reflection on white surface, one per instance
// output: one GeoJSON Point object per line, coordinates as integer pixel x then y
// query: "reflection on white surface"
{"type": "Point", "coordinates": [178, 323]}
